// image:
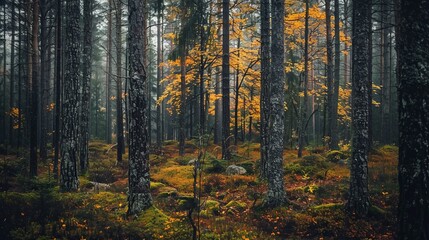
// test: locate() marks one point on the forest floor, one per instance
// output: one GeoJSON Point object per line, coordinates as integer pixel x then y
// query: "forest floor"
{"type": "Point", "coordinates": [316, 184]}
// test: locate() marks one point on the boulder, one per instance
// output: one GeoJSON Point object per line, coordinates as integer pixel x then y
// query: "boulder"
{"type": "Point", "coordinates": [235, 170]}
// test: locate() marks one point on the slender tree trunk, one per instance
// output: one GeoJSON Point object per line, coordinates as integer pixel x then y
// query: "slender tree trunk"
{"type": "Point", "coordinates": [139, 197]}
{"type": "Point", "coordinates": [202, 67]}
{"type": "Point", "coordinates": [218, 103]}
{"type": "Point", "coordinates": [265, 84]}
{"type": "Point", "coordinates": [20, 64]}
{"type": "Point", "coordinates": [158, 76]}
{"type": "Point", "coordinates": [329, 74]}
{"type": "Point", "coordinates": [303, 106]}
{"type": "Point", "coordinates": [412, 72]}
{"type": "Point", "coordinates": [276, 194]}
{"type": "Point", "coordinates": [334, 127]}
{"type": "Point", "coordinates": [385, 26]}
{"type": "Point", "coordinates": [119, 111]}
{"type": "Point", "coordinates": [109, 75]}
{"type": "Point", "coordinates": [86, 84]}
{"type": "Point", "coordinates": [12, 75]}
{"type": "Point", "coordinates": [358, 200]}
{"type": "Point", "coordinates": [70, 114]}
{"type": "Point", "coordinates": [237, 95]}
{"type": "Point", "coordinates": [34, 90]}
{"type": "Point", "coordinates": [3, 115]}
{"type": "Point", "coordinates": [182, 110]}
{"type": "Point", "coordinates": [44, 78]}
{"type": "Point", "coordinates": [226, 153]}
{"type": "Point", "coordinates": [58, 85]}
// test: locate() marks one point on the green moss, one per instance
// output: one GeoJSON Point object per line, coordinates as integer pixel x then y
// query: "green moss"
{"type": "Point", "coordinates": [186, 202]}
{"type": "Point", "coordinates": [150, 224]}
{"type": "Point", "coordinates": [335, 156]}
{"type": "Point", "coordinates": [156, 185]}
{"type": "Point", "coordinates": [389, 149]}
{"type": "Point", "coordinates": [327, 207]}
{"type": "Point", "coordinates": [165, 192]}
{"type": "Point", "coordinates": [216, 166]}
{"type": "Point", "coordinates": [210, 208]}
{"type": "Point", "coordinates": [237, 205]}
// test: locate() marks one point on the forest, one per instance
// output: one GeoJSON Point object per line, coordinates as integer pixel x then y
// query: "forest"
{"type": "Point", "coordinates": [214, 119]}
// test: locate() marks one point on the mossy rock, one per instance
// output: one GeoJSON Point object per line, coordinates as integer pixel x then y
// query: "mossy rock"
{"type": "Point", "coordinates": [335, 156]}
{"type": "Point", "coordinates": [236, 205]}
{"type": "Point", "coordinates": [156, 185]}
{"type": "Point", "coordinates": [210, 208]}
{"type": "Point", "coordinates": [165, 192]}
{"type": "Point", "coordinates": [249, 166]}
{"type": "Point", "coordinates": [186, 203]}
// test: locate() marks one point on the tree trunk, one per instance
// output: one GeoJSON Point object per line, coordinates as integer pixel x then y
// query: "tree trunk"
{"type": "Point", "coordinates": [334, 126]}
{"type": "Point", "coordinates": [303, 105]}
{"type": "Point", "coordinates": [237, 95]}
{"type": "Point", "coordinates": [70, 114]}
{"type": "Point", "coordinates": [12, 75]}
{"type": "Point", "coordinates": [358, 200]}
{"type": "Point", "coordinates": [119, 111]}
{"type": "Point", "coordinates": [276, 194]}
{"type": "Point", "coordinates": [34, 90]}
{"type": "Point", "coordinates": [412, 72]}
{"type": "Point", "coordinates": [159, 134]}
{"type": "Point", "coordinates": [329, 74]}
{"type": "Point", "coordinates": [58, 86]}
{"type": "Point", "coordinates": [182, 110]}
{"type": "Point", "coordinates": [265, 84]}
{"type": "Point", "coordinates": [139, 197]}
{"type": "Point", "coordinates": [86, 84]}
{"type": "Point", "coordinates": [44, 79]}
{"type": "Point", "coordinates": [226, 153]}
{"type": "Point", "coordinates": [109, 75]}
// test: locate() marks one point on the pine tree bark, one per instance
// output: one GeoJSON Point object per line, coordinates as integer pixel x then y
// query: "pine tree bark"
{"type": "Point", "coordinates": [334, 126]}
{"type": "Point", "coordinates": [34, 90]}
{"type": "Point", "coordinates": [71, 104]}
{"type": "Point", "coordinates": [358, 200]}
{"type": "Point", "coordinates": [329, 74]}
{"type": "Point", "coordinates": [303, 105]}
{"type": "Point", "coordinates": [159, 131]}
{"type": "Point", "coordinates": [265, 84]}
{"type": "Point", "coordinates": [109, 75]}
{"type": "Point", "coordinates": [58, 86]}
{"type": "Point", "coordinates": [412, 72]}
{"type": "Point", "coordinates": [139, 197]}
{"type": "Point", "coordinates": [226, 152]}
{"type": "Point", "coordinates": [44, 78]}
{"type": "Point", "coordinates": [12, 75]}
{"type": "Point", "coordinates": [276, 194]}
{"type": "Point", "coordinates": [119, 110]}
{"type": "Point", "coordinates": [182, 135]}
{"type": "Point", "coordinates": [86, 84]}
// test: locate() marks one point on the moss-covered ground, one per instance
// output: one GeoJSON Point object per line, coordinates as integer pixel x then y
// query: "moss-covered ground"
{"type": "Point", "coordinates": [317, 187]}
